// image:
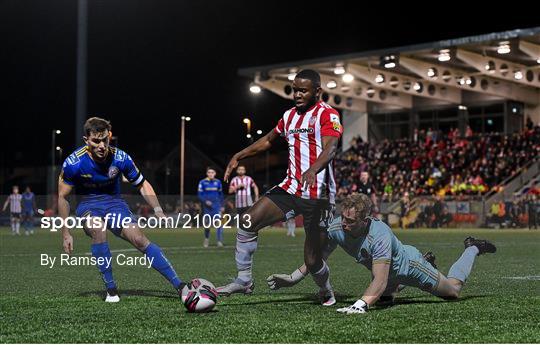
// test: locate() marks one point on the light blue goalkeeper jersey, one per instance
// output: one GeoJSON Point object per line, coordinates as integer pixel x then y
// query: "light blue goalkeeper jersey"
{"type": "Point", "coordinates": [378, 245]}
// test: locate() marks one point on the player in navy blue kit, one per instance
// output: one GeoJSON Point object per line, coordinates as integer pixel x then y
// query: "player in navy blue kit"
{"type": "Point", "coordinates": [28, 208]}
{"type": "Point", "coordinates": [210, 192]}
{"type": "Point", "coordinates": [95, 171]}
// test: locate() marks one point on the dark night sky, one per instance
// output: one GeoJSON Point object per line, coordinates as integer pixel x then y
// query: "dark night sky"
{"type": "Point", "coordinates": [149, 61]}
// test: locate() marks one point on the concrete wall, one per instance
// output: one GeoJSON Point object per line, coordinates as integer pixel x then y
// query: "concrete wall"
{"type": "Point", "coordinates": [354, 124]}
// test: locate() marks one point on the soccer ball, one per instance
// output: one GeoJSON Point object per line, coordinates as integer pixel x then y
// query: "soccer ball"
{"type": "Point", "coordinates": [199, 296]}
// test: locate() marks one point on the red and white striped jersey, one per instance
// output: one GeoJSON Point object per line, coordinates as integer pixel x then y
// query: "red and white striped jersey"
{"type": "Point", "coordinates": [303, 133]}
{"type": "Point", "coordinates": [243, 195]}
{"type": "Point", "coordinates": [15, 203]}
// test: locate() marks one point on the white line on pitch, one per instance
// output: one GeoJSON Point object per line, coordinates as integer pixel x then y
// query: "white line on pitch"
{"type": "Point", "coordinates": [523, 278]}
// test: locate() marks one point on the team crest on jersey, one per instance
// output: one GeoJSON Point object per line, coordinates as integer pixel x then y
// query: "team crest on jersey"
{"type": "Point", "coordinates": [312, 121]}
{"type": "Point", "coordinates": [113, 172]}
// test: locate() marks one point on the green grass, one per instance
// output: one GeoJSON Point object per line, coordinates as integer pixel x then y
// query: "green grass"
{"type": "Point", "coordinates": [65, 304]}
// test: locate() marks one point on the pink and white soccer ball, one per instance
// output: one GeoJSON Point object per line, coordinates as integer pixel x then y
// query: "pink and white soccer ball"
{"type": "Point", "coordinates": [199, 296]}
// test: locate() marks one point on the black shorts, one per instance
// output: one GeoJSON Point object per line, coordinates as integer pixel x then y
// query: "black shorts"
{"type": "Point", "coordinates": [16, 215]}
{"type": "Point", "coordinates": [241, 210]}
{"type": "Point", "coordinates": [317, 212]}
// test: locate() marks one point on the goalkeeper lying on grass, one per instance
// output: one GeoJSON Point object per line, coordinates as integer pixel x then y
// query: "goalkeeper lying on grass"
{"type": "Point", "coordinates": [371, 242]}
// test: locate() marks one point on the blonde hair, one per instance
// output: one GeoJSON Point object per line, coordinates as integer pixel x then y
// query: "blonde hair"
{"type": "Point", "coordinates": [361, 203]}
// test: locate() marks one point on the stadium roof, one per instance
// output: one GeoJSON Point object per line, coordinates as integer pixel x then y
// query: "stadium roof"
{"type": "Point", "coordinates": [496, 66]}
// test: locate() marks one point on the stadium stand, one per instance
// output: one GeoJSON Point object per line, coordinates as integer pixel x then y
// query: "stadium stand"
{"type": "Point", "coordinates": [437, 164]}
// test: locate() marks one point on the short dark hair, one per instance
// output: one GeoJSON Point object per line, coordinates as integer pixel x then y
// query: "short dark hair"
{"type": "Point", "coordinates": [210, 168]}
{"type": "Point", "coordinates": [96, 125]}
{"type": "Point", "coordinates": [310, 75]}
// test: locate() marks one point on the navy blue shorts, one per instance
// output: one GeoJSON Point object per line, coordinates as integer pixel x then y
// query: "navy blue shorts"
{"type": "Point", "coordinates": [28, 213]}
{"type": "Point", "coordinates": [212, 211]}
{"type": "Point", "coordinates": [99, 206]}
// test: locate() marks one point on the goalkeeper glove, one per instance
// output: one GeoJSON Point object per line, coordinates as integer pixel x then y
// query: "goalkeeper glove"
{"type": "Point", "coordinates": [359, 307]}
{"type": "Point", "coordinates": [278, 281]}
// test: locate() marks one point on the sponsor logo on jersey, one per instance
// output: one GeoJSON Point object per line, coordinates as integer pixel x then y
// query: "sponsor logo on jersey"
{"type": "Point", "coordinates": [86, 175]}
{"type": "Point", "coordinates": [301, 131]}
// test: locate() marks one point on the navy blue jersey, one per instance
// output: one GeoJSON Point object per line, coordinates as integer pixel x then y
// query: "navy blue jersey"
{"type": "Point", "coordinates": [94, 178]}
{"type": "Point", "coordinates": [28, 201]}
{"type": "Point", "coordinates": [211, 190]}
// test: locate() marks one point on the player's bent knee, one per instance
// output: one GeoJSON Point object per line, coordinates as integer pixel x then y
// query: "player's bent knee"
{"type": "Point", "coordinates": [313, 264]}
{"type": "Point", "coordinates": [140, 242]}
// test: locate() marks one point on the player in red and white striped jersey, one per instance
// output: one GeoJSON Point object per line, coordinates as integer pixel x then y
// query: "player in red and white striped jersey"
{"type": "Point", "coordinates": [312, 130]}
{"type": "Point", "coordinates": [241, 185]}
{"type": "Point", "coordinates": [15, 208]}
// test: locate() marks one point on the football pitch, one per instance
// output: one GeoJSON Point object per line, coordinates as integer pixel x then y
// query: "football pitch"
{"type": "Point", "coordinates": [500, 302]}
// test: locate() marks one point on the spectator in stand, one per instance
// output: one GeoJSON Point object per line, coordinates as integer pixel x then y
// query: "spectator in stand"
{"type": "Point", "coordinates": [515, 212]}
{"type": "Point", "coordinates": [494, 212]}
{"type": "Point", "coordinates": [468, 132]}
{"type": "Point", "coordinates": [445, 217]}
{"type": "Point", "coordinates": [529, 124]}
{"type": "Point", "coordinates": [502, 211]}
{"type": "Point", "coordinates": [437, 212]}
{"type": "Point", "coordinates": [388, 190]}
{"type": "Point", "coordinates": [467, 166]}
{"type": "Point", "coordinates": [429, 136]}
{"type": "Point", "coordinates": [404, 209]}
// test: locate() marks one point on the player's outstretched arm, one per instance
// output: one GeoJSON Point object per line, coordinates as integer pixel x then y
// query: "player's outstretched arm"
{"type": "Point", "coordinates": [5, 204]}
{"type": "Point", "coordinates": [378, 284]}
{"type": "Point", "coordinates": [373, 292]}
{"type": "Point", "coordinates": [277, 281]}
{"type": "Point", "coordinates": [149, 195]}
{"type": "Point", "coordinates": [259, 146]}
{"type": "Point", "coordinates": [64, 190]}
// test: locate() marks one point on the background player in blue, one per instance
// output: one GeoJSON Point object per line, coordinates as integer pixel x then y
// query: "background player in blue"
{"type": "Point", "coordinates": [28, 209]}
{"type": "Point", "coordinates": [371, 243]}
{"type": "Point", "coordinates": [210, 192]}
{"type": "Point", "coordinates": [95, 171]}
